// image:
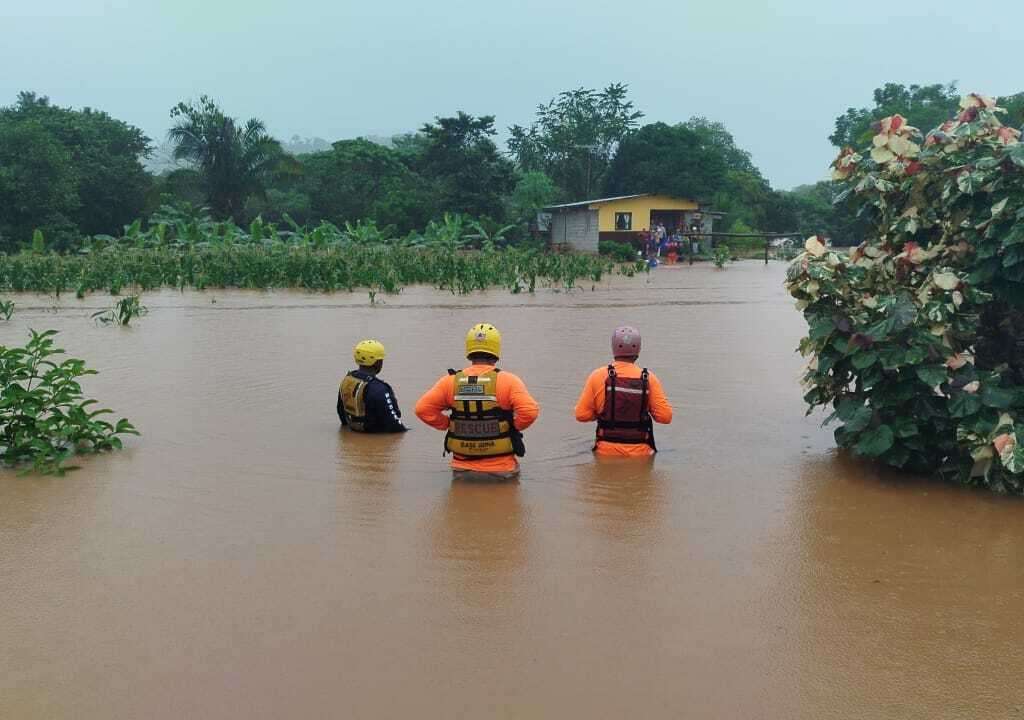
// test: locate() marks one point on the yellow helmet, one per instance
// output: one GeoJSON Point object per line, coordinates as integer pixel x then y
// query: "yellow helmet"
{"type": "Point", "coordinates": [368, 352]}
{"type": "Point", "coordinates": [483, 338]}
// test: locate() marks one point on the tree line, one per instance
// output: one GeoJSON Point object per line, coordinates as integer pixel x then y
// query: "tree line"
{"type": "Point", "coordinates": [74, 173]}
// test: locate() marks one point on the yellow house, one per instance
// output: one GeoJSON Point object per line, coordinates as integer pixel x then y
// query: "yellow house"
{"type": "Point", "coordinates": [581, 225]}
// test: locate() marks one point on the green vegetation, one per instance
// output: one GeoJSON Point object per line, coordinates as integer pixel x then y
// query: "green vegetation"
{"type": "Point", "coordinates": [620, 251]}
{"type": "Point", "coordinates": [78, 174]}
{"type": "Point", "coordinates": [721, 255]}
{"type": "Point", "coordinates": [574, 138]}
{"type": "Point", "coordinates": [122, 313]}
{"type": "Point", "coordinates": [234, 161]}
{"type": "Point", "coordinates": [6, 309]}
{"type": "Point", "coordinates": [915, 338]}
{"type": "Point", "coordinates": [923, 106]}
{"type": "Point", "coordinates": [44, 418]}
{"type": "Point", "coordinates": [668, 159]}
{"type": "Point", "coordinates": [69, 172]}
{"type": "Point", "coordinates": [196, 251]}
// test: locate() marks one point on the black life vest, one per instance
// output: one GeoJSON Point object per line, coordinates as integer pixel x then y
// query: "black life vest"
{"type": "Point", "coordinates": [353, 398]}
{"type": "Point", "coordinates": [626, 417]}
{"type": "Point", "coordinates": [479, 427]}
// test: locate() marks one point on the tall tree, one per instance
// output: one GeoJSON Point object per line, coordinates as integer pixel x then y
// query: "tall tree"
{"type": "Point", "coordinates": [1014, 105]}
{"type": "Point", "coordinates": [103, 159]}
{"type": "Point", "coordinates": [359, 179]}
{"type": "Point", "coordinates": [714, 136]}
{"type": "Point", "coordinates": [668, 159]}
{"type": "Point", "coordinates": [38, 185]}
{"type": "Point", "coordinates": [235, 161]}
{"type": "Point", "coordinates": [458, 155]}
{"type": "Point", "coordinates": [575, 137]}
{"type": "Point", "coordinates": [533, 191]}
{"type": "Point", "coordinates": [924, 106]}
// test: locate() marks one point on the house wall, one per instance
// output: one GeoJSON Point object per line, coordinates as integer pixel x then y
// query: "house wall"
{"type": "Point", "coordinates": [640, 207]}
{"type": "Point", "coordinates": [576, 228]}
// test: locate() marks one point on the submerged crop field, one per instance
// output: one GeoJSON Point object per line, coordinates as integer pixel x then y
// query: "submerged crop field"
{"type": "Point", "coordinates": [221, 255]}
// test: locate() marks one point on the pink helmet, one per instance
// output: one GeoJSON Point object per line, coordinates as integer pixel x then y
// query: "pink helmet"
{"type": "Point", "coordinates": [625, 341]}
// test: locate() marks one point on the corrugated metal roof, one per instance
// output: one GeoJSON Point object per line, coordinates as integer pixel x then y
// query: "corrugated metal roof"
{"type": "Point", "coordinates": [591, 202]}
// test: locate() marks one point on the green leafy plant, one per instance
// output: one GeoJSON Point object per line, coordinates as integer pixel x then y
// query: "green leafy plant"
{"type": "Point", "coordinates": [488, 235]}
{"type": "Point", "coordinates": [44, 417]}
{"type": "Point", "coordinates": [620, 251]}
{"type": "Point", "coordinates": [193, 251]}
{"type": "Point", "coordinates": [916, 337]}
{"type": "Point", "coordinates": [122, 313]}
{"type": "Point", "coordinates": [6, 309]}
{"type": "Point", "coordinates": [721, 255]}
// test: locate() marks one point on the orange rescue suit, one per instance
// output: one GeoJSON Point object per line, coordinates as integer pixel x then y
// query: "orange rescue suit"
{"type": "Point", "coordinates": [512, 395]}
{"type": "Point", "coordinates": [591, 405]}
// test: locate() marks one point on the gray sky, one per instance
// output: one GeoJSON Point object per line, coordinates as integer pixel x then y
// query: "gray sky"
{"type": "Point", "coordinates": [777, 74]}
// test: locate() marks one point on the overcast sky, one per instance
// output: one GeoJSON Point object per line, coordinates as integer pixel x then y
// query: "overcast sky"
{"type": "Point", "coordinates": [776, 73]}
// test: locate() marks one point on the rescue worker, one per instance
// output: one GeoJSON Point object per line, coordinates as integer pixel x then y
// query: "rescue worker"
{"type": "Point", "coordinates": [365, 402]}
{"type": "Point", "coordinates": [624, 399]}
{"type": "Point", "coordinates": [487, 411]}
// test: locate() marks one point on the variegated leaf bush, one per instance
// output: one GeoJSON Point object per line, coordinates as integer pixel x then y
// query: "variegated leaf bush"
{"type": "Point", "coordinates": [916, 337]}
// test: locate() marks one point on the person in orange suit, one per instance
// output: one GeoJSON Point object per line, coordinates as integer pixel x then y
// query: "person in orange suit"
{"type": "Point", "coordinates": [624, 399]}
{"type": "Point", "coordinates": [483, 411]}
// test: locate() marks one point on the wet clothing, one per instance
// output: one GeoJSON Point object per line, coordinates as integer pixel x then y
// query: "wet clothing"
{"type": "Point", "coordinates": [591, 406]}
{"type": "Point", "coordinates": [473, 476]}
{"type": "Point", "coordinates": [368, 404]}
{"type": "Point", "coordinates": [510, 395]}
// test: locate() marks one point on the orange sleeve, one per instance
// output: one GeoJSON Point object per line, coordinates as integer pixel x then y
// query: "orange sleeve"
{"type": "Point", "coordinates": [430, 408]}
{"type": "Point", "coordinates": [586, 409]}
{"type": "Point", "coordinates": [514, 394]}
{"type": "Point", "coordinates": [661, 410]}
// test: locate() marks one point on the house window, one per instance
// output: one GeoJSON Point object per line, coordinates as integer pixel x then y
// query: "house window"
{"type": "Point", "coordinates": [624, 221]}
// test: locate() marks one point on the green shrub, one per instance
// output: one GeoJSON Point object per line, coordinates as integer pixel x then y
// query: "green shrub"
{"type": "Point", "coordinates": [44, 418]}
{"type": "Point", "coordinates": [620, 251]}
{"type": "Point", "coordinates": [721, 255]}
{"type": "Point", "coordinates": [916, 337]}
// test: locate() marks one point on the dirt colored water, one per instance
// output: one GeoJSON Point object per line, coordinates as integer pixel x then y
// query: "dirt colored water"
{"type": "Point", "coordinates": [245, 559]}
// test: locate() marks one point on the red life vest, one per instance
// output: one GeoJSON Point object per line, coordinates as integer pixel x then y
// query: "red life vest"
{"type": "Point", "coordinates": [626, 417]}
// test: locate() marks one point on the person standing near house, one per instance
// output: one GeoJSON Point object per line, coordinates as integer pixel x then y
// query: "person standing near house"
{"type": "Point", "coordinates": [645, 243]}
{"type": "Point", "coordinates": [665, 239]}
{"type": "Point", "coordinates": [487, 410]}
{"type": "Point", "coordinates": [660, 238]}
{"type": "Point", "coordinates": [625, 400]}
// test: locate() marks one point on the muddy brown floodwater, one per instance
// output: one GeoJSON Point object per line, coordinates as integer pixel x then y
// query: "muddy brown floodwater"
{"type": "Point", "coordinates": [245, 559]}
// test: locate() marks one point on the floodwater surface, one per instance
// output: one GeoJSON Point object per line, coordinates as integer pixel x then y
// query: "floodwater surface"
{"type": "Point", "coordinates": [245, 559]}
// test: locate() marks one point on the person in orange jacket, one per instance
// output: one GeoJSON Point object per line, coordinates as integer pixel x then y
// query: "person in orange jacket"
{"type": "Point", "coordinates": [624, 398]}
{"type": "Point", "coordinates": [487, 410]}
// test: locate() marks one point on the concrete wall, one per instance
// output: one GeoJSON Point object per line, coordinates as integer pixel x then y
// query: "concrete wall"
{"type": "Point", "coordinates": [575, 228]}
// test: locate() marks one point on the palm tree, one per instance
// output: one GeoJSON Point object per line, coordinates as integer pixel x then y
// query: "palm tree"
{"type": "Point", "coordinates": [234, 162]}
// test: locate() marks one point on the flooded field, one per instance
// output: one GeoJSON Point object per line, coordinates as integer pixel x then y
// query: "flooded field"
{"type": "Point", "coordinates": [245, 559]}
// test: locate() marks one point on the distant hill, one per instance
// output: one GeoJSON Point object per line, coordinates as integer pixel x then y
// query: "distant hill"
{"type": "Point", "coordinates": [162, 160]}
{"type": "Point", "coordinates": [303, 146]}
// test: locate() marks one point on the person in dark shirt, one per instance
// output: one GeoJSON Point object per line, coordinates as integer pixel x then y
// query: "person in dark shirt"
{"type": "Point", "coordinates": [365, 402]}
